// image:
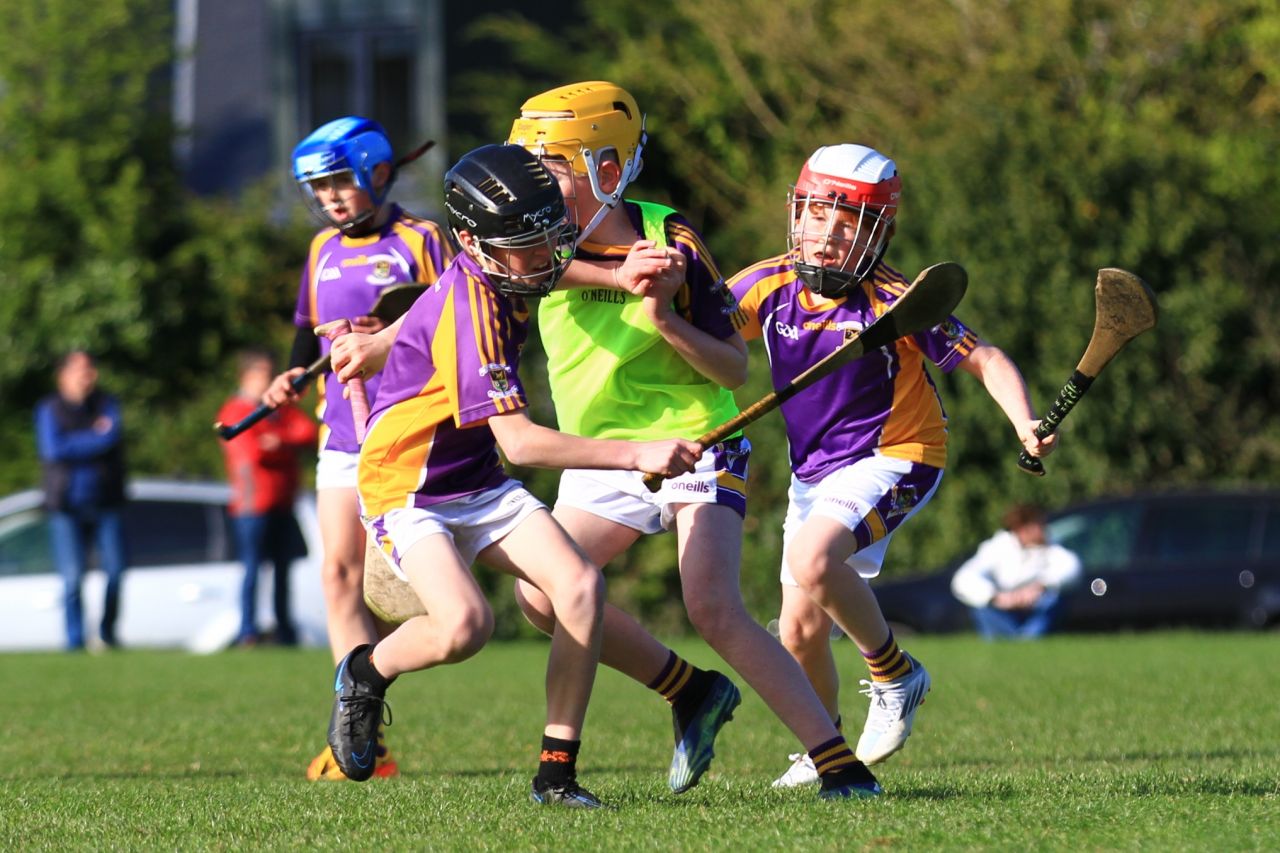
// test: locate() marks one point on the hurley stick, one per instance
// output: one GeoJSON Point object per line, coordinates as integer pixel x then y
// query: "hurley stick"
{"type": "Point", "coordinates": [391, 303]}
{"type": "Point", "coordinates": [928, 301]}
{"type": "Point", "coordinates": [1126, 308]}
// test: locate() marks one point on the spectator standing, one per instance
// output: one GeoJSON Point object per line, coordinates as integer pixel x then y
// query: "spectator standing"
{"type": "Point", "coordinates": [263, 469]}
{"type": "Point", "coordinates": [1013, 583]}
{"type": "Point", "coordinates": [79, 439]}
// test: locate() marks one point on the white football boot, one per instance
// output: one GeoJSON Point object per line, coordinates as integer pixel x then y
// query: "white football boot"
{"type": "Point", "coordinates": [801, 772]}
{"type": "Point", "coordinates": [893, 710]}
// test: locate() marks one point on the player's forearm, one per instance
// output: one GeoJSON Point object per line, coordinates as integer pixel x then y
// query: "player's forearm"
{"type": "Point", "coordinates": [534, 446]}
{"type": "Point", "coordinates": [1000, 376]}
{"type": "Point", "coordinates": [582, 274]}
{"type": "Point", "coordinates": [722, 361]}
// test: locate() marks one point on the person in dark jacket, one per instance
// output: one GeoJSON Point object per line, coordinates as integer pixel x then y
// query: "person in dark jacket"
{"type": "Point", "coordinates": [79, 438]}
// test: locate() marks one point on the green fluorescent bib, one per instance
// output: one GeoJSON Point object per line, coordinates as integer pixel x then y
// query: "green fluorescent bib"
{"type": "Point", "coordinates": [612, 374]}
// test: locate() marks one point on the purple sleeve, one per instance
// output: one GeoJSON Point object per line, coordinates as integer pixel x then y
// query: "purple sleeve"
{"type": "Point", "coordinates": [947, 344]}
{"type": "Point", "coordinates": [706, 302]}
{"type": "Point", "coordinates": [440, 251]}
{"type": "Point", "coordinates": [486, 356]}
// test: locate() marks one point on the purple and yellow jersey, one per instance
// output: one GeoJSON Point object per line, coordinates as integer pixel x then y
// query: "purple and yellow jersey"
{"type": "Point", "coordinates": [612, 374]}
{"type": "Point", "coordinates": [342, 279]}
{"type": "Point", "coordinates": [882, 403]}
{"type": "Point", "coordinates": [452, 366]}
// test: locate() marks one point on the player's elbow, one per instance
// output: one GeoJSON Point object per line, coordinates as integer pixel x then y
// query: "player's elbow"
{"type": "Point", "coordinates": [735, 376]}
{"type": "Point", "coordinates": [517, 436]}
{"type": "Point", "coordinates": [518, 453]}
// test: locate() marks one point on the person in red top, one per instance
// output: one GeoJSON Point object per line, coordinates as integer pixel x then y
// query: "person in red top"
{"type": "Point", "coordinates": [262, 467]}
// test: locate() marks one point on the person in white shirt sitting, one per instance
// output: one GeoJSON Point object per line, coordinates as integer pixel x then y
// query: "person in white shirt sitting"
{"type": "Point", "coordinates": [1013, 583]}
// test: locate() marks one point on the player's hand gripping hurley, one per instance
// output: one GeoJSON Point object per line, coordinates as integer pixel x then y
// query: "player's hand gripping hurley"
{"type": "Point", "coordinates": [391, 303]}
{"type": "Point", "coordinates": [930, 299]}
{"type": "Point", "coordinates": [1126, 308]}
{"type": "Point", "coordinates": [355, 386]}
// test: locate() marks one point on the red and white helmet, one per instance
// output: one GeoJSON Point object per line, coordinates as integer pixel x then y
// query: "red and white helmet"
{"type": "Point", "coordinates": [842, 208]}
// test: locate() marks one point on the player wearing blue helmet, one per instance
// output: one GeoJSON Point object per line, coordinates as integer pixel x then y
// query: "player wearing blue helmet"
{"type": "Point", "coordinates": [345, 169]}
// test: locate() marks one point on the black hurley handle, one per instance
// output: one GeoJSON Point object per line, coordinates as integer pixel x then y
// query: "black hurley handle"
{"type": "Point", "coordinates": [1070, 394]}
{"type": "Point", "coordinates": [298, 383]}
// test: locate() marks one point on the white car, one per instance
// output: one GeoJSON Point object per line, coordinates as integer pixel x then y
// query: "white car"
{"type": "Point", "coordinates": [181, 587]}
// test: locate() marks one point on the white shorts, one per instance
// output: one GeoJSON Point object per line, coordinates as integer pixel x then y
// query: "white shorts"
{"type": "Point", "coordinates": [473, 523]}
{"type": "Point", "coordinates": [872, 498]}
{"type": "Point", "coordinates": [336, 469]}
{"type": "Point", "coordinates": [720, 477]}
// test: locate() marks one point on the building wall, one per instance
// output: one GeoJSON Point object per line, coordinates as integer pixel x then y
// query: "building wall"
{"type": "Point", "coordinates": [245, 88]}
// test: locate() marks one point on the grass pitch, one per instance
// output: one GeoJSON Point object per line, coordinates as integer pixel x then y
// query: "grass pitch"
{"type": "Point", "coordinates": [1152, 742]}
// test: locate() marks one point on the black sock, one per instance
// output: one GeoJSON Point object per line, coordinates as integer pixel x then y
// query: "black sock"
{"type": "Point", "coordinates": [687, 702]}
{"type": "Point", "coordinates": [558, 763]}
{"type": "Point", "coordinates": [364, 671]}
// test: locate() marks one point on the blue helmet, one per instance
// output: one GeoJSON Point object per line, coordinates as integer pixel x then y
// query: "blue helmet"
{"type": "Point", "coordinates": [350, 144]}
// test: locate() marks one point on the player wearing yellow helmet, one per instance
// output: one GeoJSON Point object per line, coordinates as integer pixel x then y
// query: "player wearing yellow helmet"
{"type": "Point", "coordinates": [649, 351]}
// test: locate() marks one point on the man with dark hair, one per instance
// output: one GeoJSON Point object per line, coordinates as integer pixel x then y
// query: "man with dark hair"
{"type": "Point", "coordinates": [1013, 583]}
{"type": "Point", "coordinates": [79, 438]}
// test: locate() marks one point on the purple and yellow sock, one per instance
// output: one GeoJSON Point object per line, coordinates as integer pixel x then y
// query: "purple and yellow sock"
{"type": "Point", "coordinates": [832, 756]}
{"type": "Point", "coordinates": [887, 663]}
{"type": "Point", "coordinates": [680, 682]}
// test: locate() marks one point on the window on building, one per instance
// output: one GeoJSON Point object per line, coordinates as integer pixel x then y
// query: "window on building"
{"type": "Point", "coordinates": [369, 72]}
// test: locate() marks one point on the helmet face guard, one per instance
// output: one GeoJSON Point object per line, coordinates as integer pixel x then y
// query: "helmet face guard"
{"type": "Point", "coordinates": [579, 124]}
{"type": "Point", "coordinates": [513, 211]}
{"type": "Point", "coordinates": [337, 158]}
{"type": "Point", "coordinates": [841, 217]}
{"type": "Point", "coordinates": [549, 250]}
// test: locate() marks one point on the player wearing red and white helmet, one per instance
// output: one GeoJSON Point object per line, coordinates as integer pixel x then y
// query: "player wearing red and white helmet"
{"type": "Point", "coordinates": [868, 443]}
{"type": "Point", "coordinates": [842, 210]}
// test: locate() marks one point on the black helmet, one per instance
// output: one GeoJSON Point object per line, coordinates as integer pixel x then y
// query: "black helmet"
{"type": "Point", "coordinates": [506, 199]}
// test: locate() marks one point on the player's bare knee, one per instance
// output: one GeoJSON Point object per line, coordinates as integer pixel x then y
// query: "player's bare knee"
{"type": "Point", "coordinates": [715, 620]}
{"type": "Point", "coordinates": [802, 637]}
{"type": "Point", "coordinates": [341, 576]}
{"type": "Point", "coordinates": [810, 571]}
{"type": "Point", "coordinates": [580, 596]}
{"type": "Point", "coordinates": [535, 606]}
{"type": "Point", "coordinates": [465, 630]}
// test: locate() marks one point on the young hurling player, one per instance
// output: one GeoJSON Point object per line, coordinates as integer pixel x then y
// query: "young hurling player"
{"type": "Point", "coordinates": [345, 171]}
{"type": "Point", "coordinates": [657, 363]}
{"type": "Point", "coordinates": [868, 443]}
{"type": "Point", "coordinates": [434, 490]}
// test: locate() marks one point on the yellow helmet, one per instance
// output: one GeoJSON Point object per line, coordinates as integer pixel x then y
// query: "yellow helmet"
{"type": "Point", "coordinates": [580, 123]}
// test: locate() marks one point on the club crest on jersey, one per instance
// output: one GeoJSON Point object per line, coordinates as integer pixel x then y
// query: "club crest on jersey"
{"type": "Point", "coordinates": [499, 378]}
{"type": "Point", "coordinates": [381, 273]}
{"type": "Point", "coordinates": [902, 499]}
{"type": "Point", "coordinates": [951, 329]}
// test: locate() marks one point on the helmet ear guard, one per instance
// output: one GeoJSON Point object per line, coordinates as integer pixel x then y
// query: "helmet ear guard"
{"type": "Point", "coordinates": [580, 123]}
{"type": "Point", "coordinates": [506, 200]}
{"type": "Point", "coordinates": [842, 206]}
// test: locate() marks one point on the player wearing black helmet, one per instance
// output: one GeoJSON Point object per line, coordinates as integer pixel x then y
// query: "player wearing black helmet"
{"type": "Point", "coordinates": [433, 490]}
{"type": "Point", "coordinates": [507, 212]}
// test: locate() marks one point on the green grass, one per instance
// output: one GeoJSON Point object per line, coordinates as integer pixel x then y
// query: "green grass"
{"type": "Point", "coordinates": [1151, 742]}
